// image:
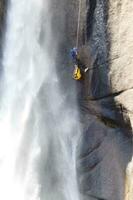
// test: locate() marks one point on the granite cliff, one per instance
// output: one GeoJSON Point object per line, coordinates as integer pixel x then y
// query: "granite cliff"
{"type": "Point", "coordinates": [104, 151]}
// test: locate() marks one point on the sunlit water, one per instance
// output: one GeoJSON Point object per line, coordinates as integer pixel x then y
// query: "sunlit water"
{"type": "Point", "coordinates": [39, 130]}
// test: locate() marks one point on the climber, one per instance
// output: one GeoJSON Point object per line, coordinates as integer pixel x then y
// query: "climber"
{"type": "Point", "coordinates": [74, 57]}
{"type": "Point", "coordinates": [79, 68]}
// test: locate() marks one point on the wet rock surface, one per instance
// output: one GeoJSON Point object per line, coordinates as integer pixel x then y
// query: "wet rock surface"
{"type": "Point", "coordinates": [102, 161]}
{"type": "Point", "coordinates": [104, 151]}
{"type": "Point", "coordinates": [105, 147]}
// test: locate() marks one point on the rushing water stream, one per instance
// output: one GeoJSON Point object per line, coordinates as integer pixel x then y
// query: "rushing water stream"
{"type": "Point", "coordinates": [39, 130]}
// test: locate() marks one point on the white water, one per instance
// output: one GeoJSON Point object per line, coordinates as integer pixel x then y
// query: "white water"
{"type": "Point", "coordinates": [38, 129]}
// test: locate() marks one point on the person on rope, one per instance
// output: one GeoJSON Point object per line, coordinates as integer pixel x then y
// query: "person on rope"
{"type": "Point", "coordinates": [74, 57]}
{"type": "Point", "coordinates": [79, 68]}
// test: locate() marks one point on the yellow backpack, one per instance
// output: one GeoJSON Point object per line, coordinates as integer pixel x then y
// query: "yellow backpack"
{"type": "Point", "coordinates": [77, 73]}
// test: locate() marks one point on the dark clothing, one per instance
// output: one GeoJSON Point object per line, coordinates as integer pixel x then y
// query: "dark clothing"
{"type": "Point", "coordinates": [80, 64]}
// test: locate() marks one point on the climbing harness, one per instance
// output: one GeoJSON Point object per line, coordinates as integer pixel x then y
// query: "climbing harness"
{"type": "Point", "coordinates": [78, 25]}
{"type": "Point", "coordinates": [77, 73]}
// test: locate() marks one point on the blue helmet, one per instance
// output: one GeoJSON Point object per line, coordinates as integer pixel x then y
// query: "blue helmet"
{"type": "Point", "coordinates": [73, 53]}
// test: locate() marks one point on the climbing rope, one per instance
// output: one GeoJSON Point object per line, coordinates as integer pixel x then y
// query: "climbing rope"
{"type": "Point", "coordinates": [78, 25]}
{"type": "Point", "coordinates": [101, 65]}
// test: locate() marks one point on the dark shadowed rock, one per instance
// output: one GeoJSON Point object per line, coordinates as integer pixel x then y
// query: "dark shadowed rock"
{"type": "Point", "coordinates": [105, 147]}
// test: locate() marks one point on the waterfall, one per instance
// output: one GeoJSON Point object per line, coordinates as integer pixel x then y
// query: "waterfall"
{"type": "Point", "coordinates": [39, 128]}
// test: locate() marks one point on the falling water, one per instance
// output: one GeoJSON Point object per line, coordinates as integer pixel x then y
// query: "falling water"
{"type": "Point", "coordinates": [39, 129]}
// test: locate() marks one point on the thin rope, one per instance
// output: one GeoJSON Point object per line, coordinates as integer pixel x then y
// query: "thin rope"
{"type": "Point", "coordinates": [78, 26]}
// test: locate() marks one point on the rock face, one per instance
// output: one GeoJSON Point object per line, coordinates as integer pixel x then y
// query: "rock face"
{"type": "Point", "coordinates": [121, 38]}
{"type": "Point", "coordinates": [104, 96]}
{"type": "Point", "coordinates": [121, 74]}
{"type": "Point", "coordinates": [105, 147]}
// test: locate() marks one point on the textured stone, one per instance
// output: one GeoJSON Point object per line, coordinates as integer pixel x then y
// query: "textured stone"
{"type": "Point", "coordinates": [105, 148]}
{"type": "Point", "coordinates": [121, 38]}
{"type": "Point", "coordinates": [120, 28]}
{"type": "Point", "coordinates": [106, 145]}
